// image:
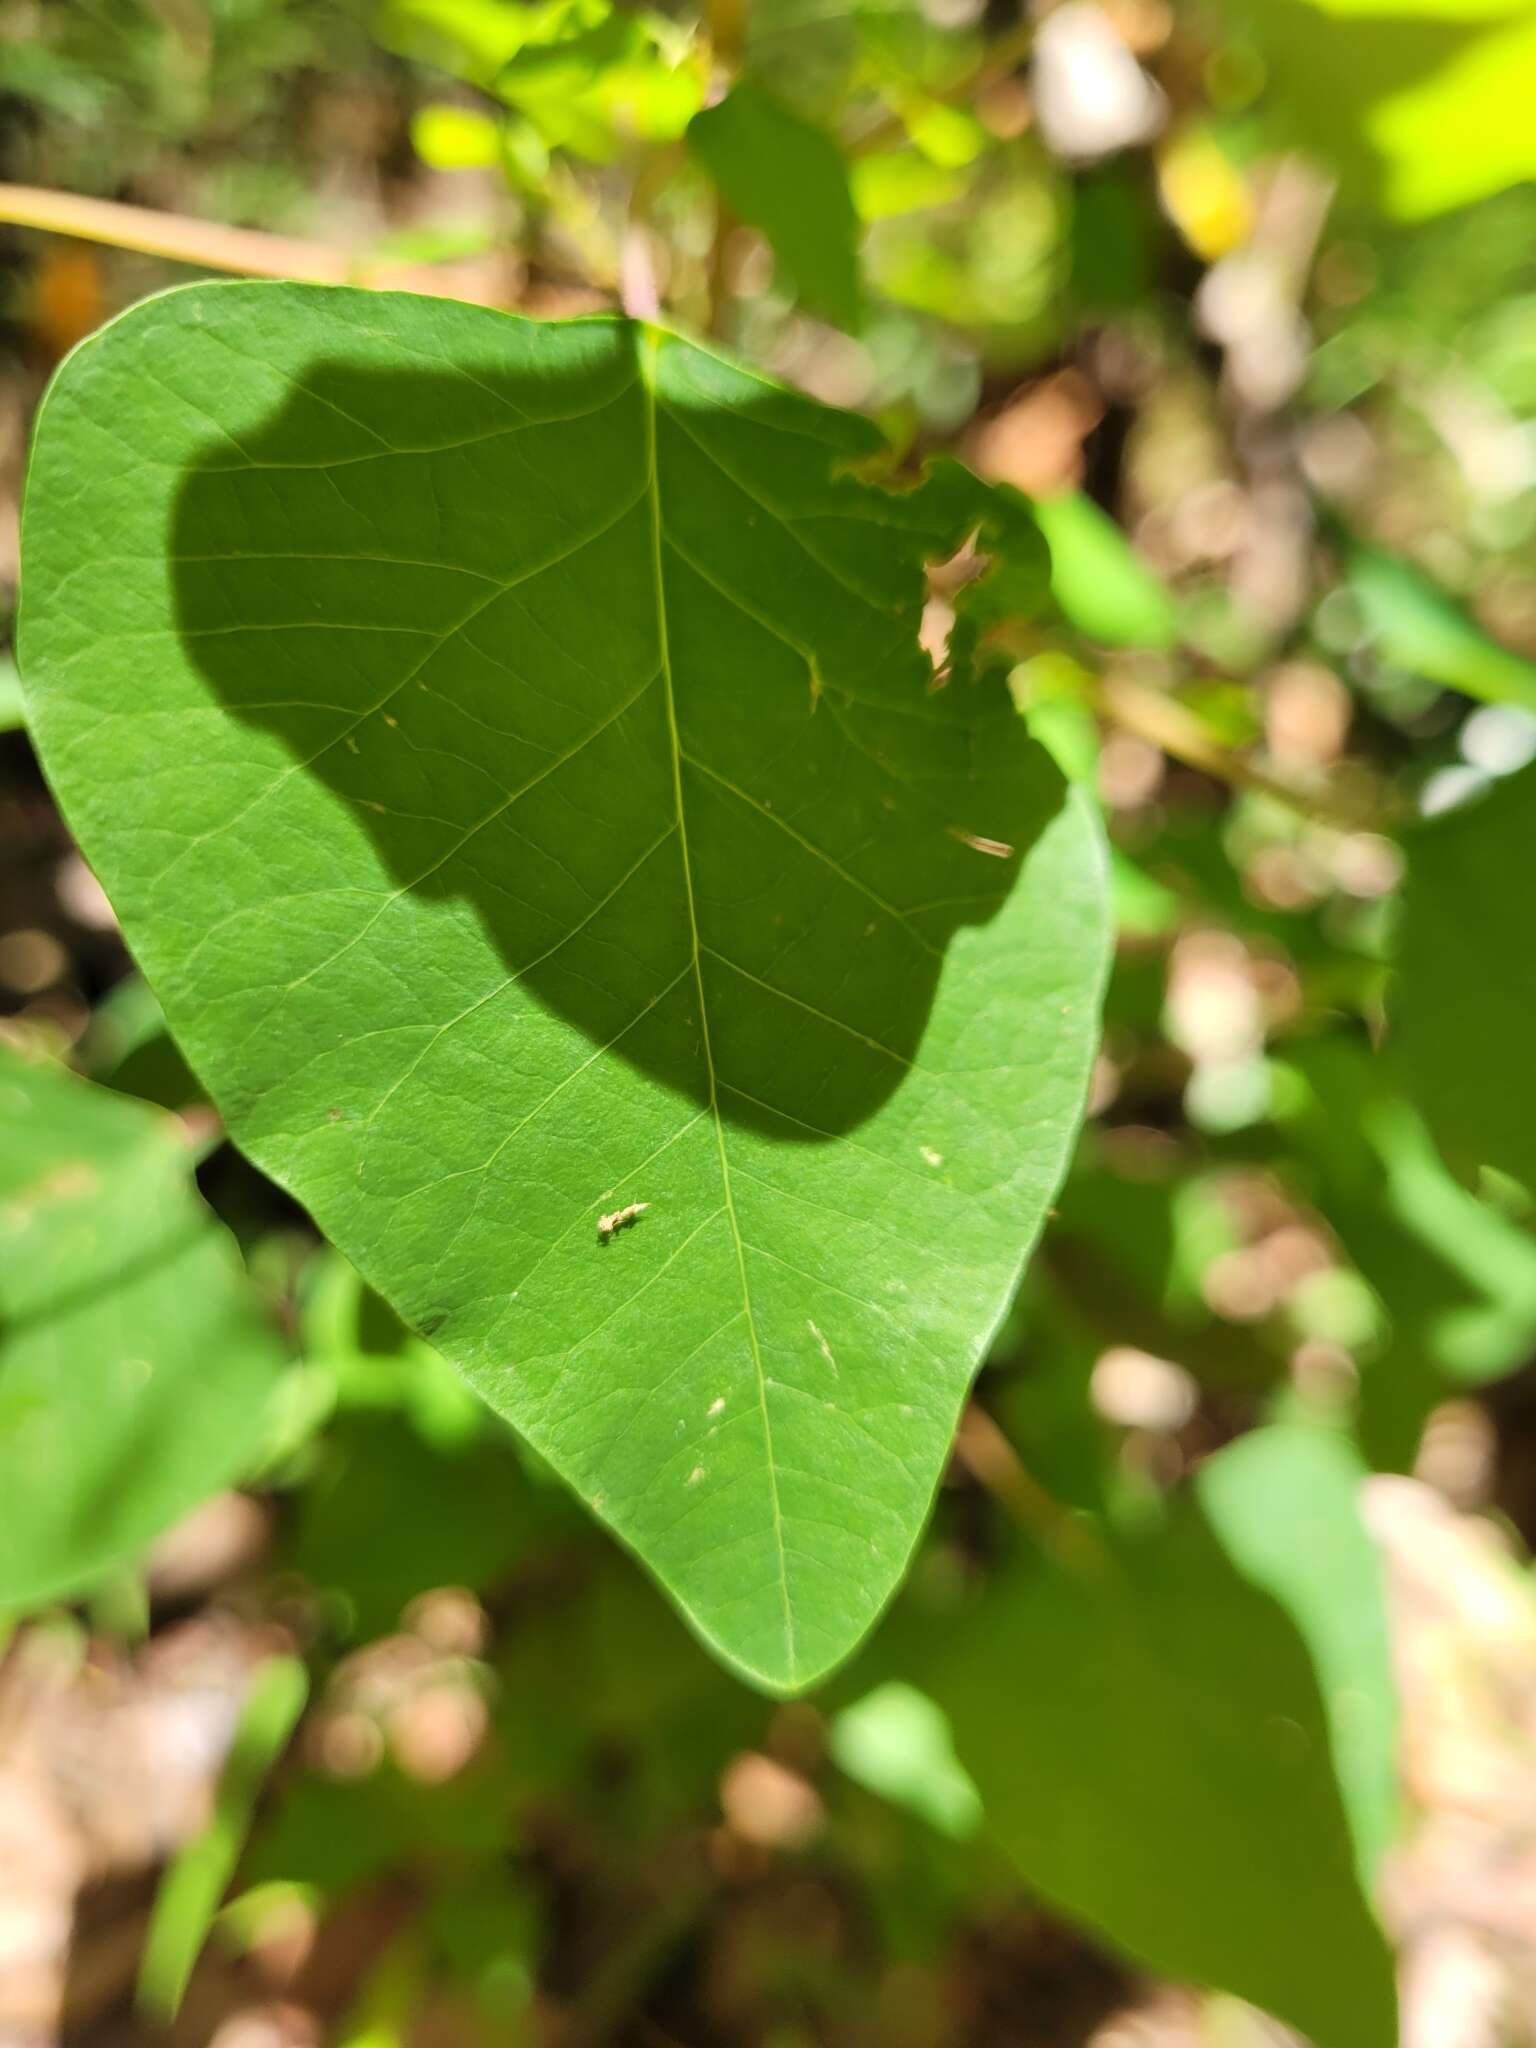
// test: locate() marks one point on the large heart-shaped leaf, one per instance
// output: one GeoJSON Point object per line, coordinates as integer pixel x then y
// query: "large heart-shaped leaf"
{"type": "Point", "coordinates": [510, 753]}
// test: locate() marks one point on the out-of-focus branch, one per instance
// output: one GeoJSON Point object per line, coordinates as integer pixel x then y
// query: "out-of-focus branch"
{"type": "Point", "coordinates": [245, 252]}
{"type": "Point", "coordinates": [994, 1464]}
{"type": "Point", "coordinates": [1171, 726]}
{"type": "Point", "coordinates": [727, 22]}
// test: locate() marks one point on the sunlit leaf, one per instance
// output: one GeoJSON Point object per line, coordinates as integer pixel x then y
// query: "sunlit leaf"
{"type": "Point", "coordinates": [510, 752]}
{"type": "Point", "coordinates": [1416, 627]}
{"type": "Point", "coordinates": [455, 138]}
{"type": "Point", "coordinates": [588, 75]}
{"type": "Point", "coordinates": [896, 1741]}
{"type": "Point", "coordinates": [1423, 107]}
{"type": "Point", "coordinates": [474, 38]}
{"type": "Point", "coordinates": [895, 181]}
{"type": "Point", "coordinates": [1100, 582]}
{"type": "Point", "coordinates": [12, 711]}
{"type": "Point", "coordinates": [584, 73]}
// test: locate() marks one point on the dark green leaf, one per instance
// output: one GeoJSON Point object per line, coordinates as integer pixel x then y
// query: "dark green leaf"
{"type": "Point", "coordinates": [134, 1362]}
{"type": "Point", "coordinates": [1456, 1277]}
{"type": "Point", "coordinates": [361, 1532]}
{"type": "Point", "coordinates": [778, 173]}
{"type": "Point", "coordinates": [1152, 1743]}
{"type": "Point", "coordinates": [1466, 985]}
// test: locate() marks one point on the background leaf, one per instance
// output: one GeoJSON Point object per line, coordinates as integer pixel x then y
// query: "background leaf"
{"type": "Point", "coordinates": [1416, 627]}
{"type": "Point", "coordinates": [1282, 1503]}
{"type": "Point", "coordinates": [1423, 106]}
{"type": "Point", "coordinates": [1098, 579]}
{"type": "Point", "coordinates": [1145, 1725]}
{"type": "Point", "coordinates": [780, 174]}
{"type": "Point", "coordinates": [12, 714]}
{"type": "Point", "coordinates": [135, 1364]}
{"type": "Point", "coordinates": [1463, 1035]}
{"type": "Point", "coordinates": [1455, 1275]}
{"type": "Point", "coordinates": [509, 751]}
{"type": "Point", "coordinates": [196, 1880]}
{"type": "Point", "coordinates": [896, 1741]}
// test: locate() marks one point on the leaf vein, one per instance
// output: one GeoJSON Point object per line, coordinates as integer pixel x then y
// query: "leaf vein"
{"type": "Point", "coordinates": [654, 485]}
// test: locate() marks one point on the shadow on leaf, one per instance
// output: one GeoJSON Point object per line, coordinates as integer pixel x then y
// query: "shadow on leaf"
{"type": "Point", "coordinates": [729, 835]}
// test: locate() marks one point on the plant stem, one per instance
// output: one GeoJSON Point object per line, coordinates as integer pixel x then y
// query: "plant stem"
{"type": "Point", "coordinates": [245, 252]}
{"type": "Point", "coordinates": [727, 22]}
{"type": "Point", "coordinates": [992, 1461]}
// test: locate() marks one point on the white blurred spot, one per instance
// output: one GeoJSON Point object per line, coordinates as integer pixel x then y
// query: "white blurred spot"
{"type": "Point", "coordinates": [1138, 1391]}
{"type": "Point", "coordinates": [1499, 738]}
{"type": "Point", "coordinates": [1448, 788]}
{"type": "Point", "coordinates": [1091, 96]}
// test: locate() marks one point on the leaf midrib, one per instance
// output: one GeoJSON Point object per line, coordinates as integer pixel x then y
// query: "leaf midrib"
{"type": "Point", "coordinates": [649, 348]}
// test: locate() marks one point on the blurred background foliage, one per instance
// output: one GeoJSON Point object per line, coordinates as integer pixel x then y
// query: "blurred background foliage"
{"type": "Point", "coordinates": [382, 1743]}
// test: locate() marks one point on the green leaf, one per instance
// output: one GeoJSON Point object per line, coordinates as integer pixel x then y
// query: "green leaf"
{"type": "Point", "coordinates": [510, 754]}
{"type": "Point", "coordinates": [1456, 1277]}
{"type": "Point", "coordinates": [128, 1049]}
{"type": "Point", "coordinates": [333, 1834]}
{"type": "Point", "coordinates": [779, 174]}
{"type": "Point", "coordinates": [589, 74]}
{"type": "Point", "coordinates": [1145, 1725]}
{"type": "Point", "coordinates": [196, 1880]}
{"type": "Point", "coordinates": [895, 1741]}
{"type": "Point", "coordinates": [134, 1363]}
{"type": "Point", "coordinates": [361, 1533]}
{"type": "Point", "coordinates": [1466, 982]}
{"type": "Point", "coordinates": [472, 38]}
{"type": "Point", "coordinates": [1416, 627]}
{"type": "Point", "coordinates": [455, 138]}
{"type": "Point", "coordinates": [1422, 107]}
{"type": "Point", "coordinates": [1282, 1502]}
{"type": "Point", "coordinates": [1098, 579]}
{"type": "Point", "coordinates": [586, 74]}
{"type": "Point", "coordinates": [12, 711]}
{"type": "Point", "coordinates": [895, 181]}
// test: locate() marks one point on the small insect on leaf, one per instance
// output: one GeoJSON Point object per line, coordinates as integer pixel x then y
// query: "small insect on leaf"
{"type": "Point", "coordinates": [999, 849]}
{"type": "Point", "coordinates": [618, 1219]}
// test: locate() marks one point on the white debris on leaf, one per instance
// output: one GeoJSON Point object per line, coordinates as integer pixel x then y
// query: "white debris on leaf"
{"type": "Point", "coordinates": [619, 1219]}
